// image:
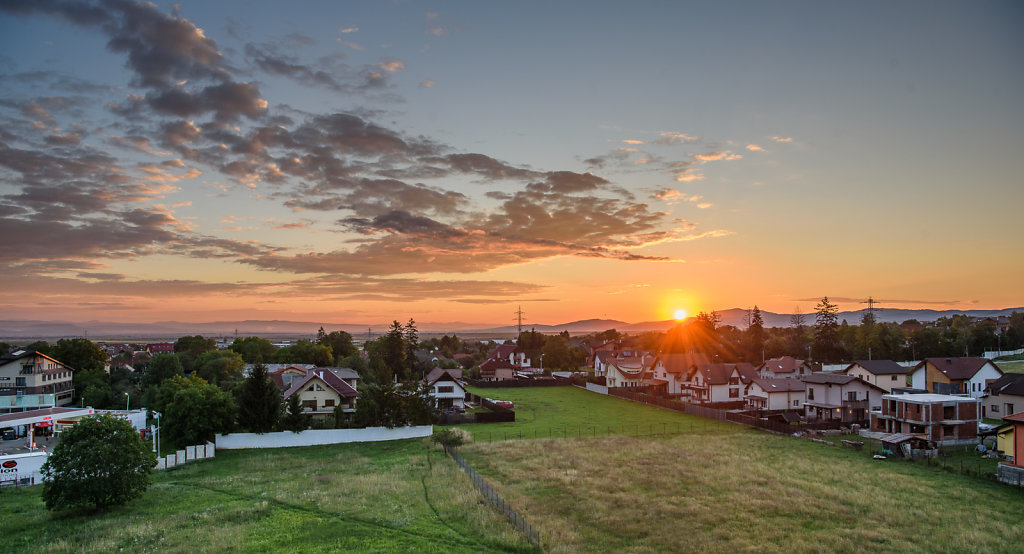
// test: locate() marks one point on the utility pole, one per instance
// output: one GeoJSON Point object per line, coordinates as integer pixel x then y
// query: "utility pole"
{"type": "Point", "coordinates": [519, 318]}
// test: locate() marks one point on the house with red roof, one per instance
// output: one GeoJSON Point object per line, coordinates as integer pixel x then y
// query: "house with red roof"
{"type": "Point", "coordinates": [446, 391]}
{"type": "Point", "coordinates": [160, 348]}
{"type": "Point", "coordinates": [967, 376]}
{"type": "Point", "coordinates": [628, 371]}
{"type": "Point", "coordinates": [321, 391]}
{"type": "Point", "coordinates": [786, 367]}
{"type": "Point", "coordinates": [676, 369]}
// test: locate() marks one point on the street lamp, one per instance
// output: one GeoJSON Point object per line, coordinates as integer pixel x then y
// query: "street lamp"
{"type": "Point", "coordinates": [156, 435]}
{"type": "Point", "coordinates": [127, 398]}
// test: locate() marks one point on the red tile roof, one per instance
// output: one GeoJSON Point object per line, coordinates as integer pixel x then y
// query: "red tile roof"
{"type": "Point", "coordinates": [956, 369]}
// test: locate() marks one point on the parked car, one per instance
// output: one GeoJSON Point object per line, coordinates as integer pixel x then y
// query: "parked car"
{"type": "Point", "coordinates": [9, 434]}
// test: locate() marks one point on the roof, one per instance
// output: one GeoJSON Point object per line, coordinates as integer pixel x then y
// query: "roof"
{"type": "Point", "coordinates": [717, 374]}
{"type": "Point", "coordinates": [503, 351]}
{"type": "Point", "coordinates": [329, 378]}
{"type": "Point", "coordinates": [1017, 417]}
{"type": "Point", "coordinates": [1009, 383]}
{"type": "Point", "coordinates": [780, 385]}
{"type": "Point", "coordinates": [436, 373]}
{"type": "Point", "coordinates": [785, 364]}
{"type": "Point", "coordinates": [958, 369]}
{"type": "Point", "coordinates": [492, 364]}
{"type": "Point", "coordinates": [681, 362]}
{"type": "Point", "coordinates": [46, 414]}
{"type": "Point", "coordinates": [836, 379]}
{"type": "Point", "coordinates": [19, 354]}
{"type": "Point", "coordinates": [880, 367]}
{"type": "Point", "coordinates": [444, 375]}
{"type": "Point", "coordinates": [929, 398]}
{"type": "Point", "coordinates": [897, 438]}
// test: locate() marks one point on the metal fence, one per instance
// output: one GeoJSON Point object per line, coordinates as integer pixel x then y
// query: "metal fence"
{"type": "Point", "coordinates": [492, 495]}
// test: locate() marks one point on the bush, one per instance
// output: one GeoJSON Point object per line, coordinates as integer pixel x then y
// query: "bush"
{"type": "Point", "coordinates": [451, 438]}
{"type": "Point", "coordinates": [99, 462]}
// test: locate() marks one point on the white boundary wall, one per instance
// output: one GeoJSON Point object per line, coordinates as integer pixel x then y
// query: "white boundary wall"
{"type": "Point", "coordinates": [600, 389]}
{"type": "Point", "coordinates": [313, 437]}
{"type": "Point", "coordinates": [190, 454]}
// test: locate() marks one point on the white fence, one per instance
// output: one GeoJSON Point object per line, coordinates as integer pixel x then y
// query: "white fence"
{"type": "Point", "coordinates": [600, 389]}
{"type": "Point", "coordinates": [1000, 353]}
{"type": "Point", "coordinates": [313, 437]}
{"type": "Point", "coordinates": [189, 454]}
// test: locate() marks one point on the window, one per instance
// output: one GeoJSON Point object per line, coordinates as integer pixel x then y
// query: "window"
{"type": "Point", "coordinates": [949, 412]}
{"type": "Point", "coordinates": [734, 380]}
{"type": "Point", "coordinates": [311, 404]}
{"type": "Point", "coordinates": [894, 378]}
{"type": "Point", "coordinates": [329, 403]}
{"type": "Point", "coordinates": [851, 396]}
{"type": "Point", "coordinates": [995, 408]}
{"type": "Point", "coordinates": [445, 389]}
{"type": "Point", "coordinates": [1009, 408]}
{"type": "Point", "coordinates": [796, 403]}
{"type": "Point", "coordinates": [19, 381]}
{"type": "Point", "coordinates": [734, 393]}
{"type": "Point", "coordinates": [810, 393]}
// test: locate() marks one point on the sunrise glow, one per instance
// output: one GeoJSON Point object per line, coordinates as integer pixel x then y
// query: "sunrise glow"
{"type": "Point", "coordinates": [679, 315]}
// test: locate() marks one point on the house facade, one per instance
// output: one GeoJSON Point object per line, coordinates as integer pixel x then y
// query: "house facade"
{"type": "Point", "coordinates": [715, 383]}
{"type": "Point", "coordinates": [629, 372]}
{"type": "Point", "coordinates": [676, 370]}
{"type": "Point", "coordinates": [885, 374]}
{"type": "Point", "coordinates": [839, 397]}
{"type": "Point", "coordinates": [1011, 471]}
{"type": "Point", "coordinates": [940, 419]}
{"type": "Point", "coordinates": [776, 394]}
{"type": "Point", "coordinates": [322, 391]}
{"type": "Point", "coordinates": [1005, 396]}
{"type": "Point", "coordinates": [447, 393]}
{"type": "Point", "coordinates": [967, 376]}
{"type": "Point", "coordinates": [27, 373]}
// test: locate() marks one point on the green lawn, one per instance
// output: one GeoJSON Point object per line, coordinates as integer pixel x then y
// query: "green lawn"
{"type": "Point", "coordinates": [380, 497]}
{"type": "Point", "coordinates": [553, 412]}
{"type": "Point", "coordinates": [1011, 366]}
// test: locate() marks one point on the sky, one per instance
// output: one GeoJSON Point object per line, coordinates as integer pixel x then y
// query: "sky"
{"type": "Point", "coordinates": [453, 162]}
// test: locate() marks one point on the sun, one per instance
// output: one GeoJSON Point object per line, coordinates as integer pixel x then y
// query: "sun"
{"type": "Point", "coordinates": [680, 314]}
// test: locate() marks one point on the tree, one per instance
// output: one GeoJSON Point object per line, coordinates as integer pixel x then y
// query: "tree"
{"type": "Point", "coordinates": [79, 354]}
{"type": "Point", "coordinates": [339, 342]}
{"type": "Point", "coordinates": [388, 355]}
{"type": "Point", "coordinates": [295, 420]}
{"type": "Point", "coordinates": [259, 402]}
{"type": "Point", "coordinates": [194, 410]}
{"type": "Point", "coordinates": [304, 352]}
{"type": "Point", "coordinates": [755, 335]}
{"type": "Point", "coordinates": [190, 348]}
{"type": "Point", "coordinates": [531, 343]}
{"type": "Point", "coordinates": [609, 335]}
{"type": "Point", "coordinates": [161, 368]}
{"type": "Point", "coordinates": [826, 330]}
{"type": "Point", "coordinates": [99, 462]}
{"type": "Point", "coordinates": [220, 367]}
{"type": "Point", "coordinates": [253, 349]}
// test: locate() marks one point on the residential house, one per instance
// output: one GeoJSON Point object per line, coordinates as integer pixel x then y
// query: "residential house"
{"type": "Point", "coordinates": [448, 394]}
{"type": "Point", "coordinates": [785, 367]}
{"type": "Point", "coordinates": [955, 375]}
{"type": "Point", "coordinates": [886, 374]}
{"type": "Point", "coordinates": [775, 394]}
{"type": "Point", "coordinates": [160, 348]}
{"type": "Point", "coordinates": [1004, 438]}
{"type": "Point", "coordinates": [604, 358]}
{"type": "Point", "coordinates": [497, 370]}
{"type": "Point", "coordinates": [941, 419]}
{"type": "Point", "coordinates": [839, 397]}
{"type": "Point", "coordinates": [1005, 396]}
{"type": "Point", "coordinates": [715, 383]}
{"type": "Point", "coordinates": [675, 369]}
{"type": "Point", "coordinates": [629, 371]}
{"type": "Point", "coordinates": [511, 354]}
{"type": "Point", "coordinates": [323, 390]}
{"type": "Point", "coordinates": [27, 373]}
{"type": "Point", "coordinates": [1012, 472]}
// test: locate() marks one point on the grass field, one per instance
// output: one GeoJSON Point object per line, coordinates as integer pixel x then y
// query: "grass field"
{"type": "Point", "coordinates": [553, 412]}
{"type": "Point", "coordinates": [378, 497]}
{"type": "Point", "coordinates": [1011, 366]}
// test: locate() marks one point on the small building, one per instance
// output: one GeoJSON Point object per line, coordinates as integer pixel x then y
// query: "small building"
{"type": "Point", "coordinates": [676, 369]}
{"type": "Point", "coordinates": [1005, 396]}
{"type": "Point", "coordinates": [322, 391]}
{"type": "Point", "coordinates": [1012, 471]}
{"type": "Point", "coordinates": [839, 397]}
{"type": "Point", "coordinates": [448, 394]}
{"type": "Point", "coordinates": [776, 394]}
{"type": "Point", "coordinates": [155, 348]}
{"type": "Point", "coordinates": [30, 373]}
{"type": "Point", "coordinates": [786, 367]}
{"type": "Point", "coordinates": [955, 375]}
{"type": "Point", "coordinates": [940, 419]}
{"type": "Point", "coordinates": [885, 374]}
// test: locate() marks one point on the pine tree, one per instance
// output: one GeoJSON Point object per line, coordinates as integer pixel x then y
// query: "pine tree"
{"type": "Point", "coordinates": [826, 329]}
{"type": "Point", "coordinates": [259, 402]}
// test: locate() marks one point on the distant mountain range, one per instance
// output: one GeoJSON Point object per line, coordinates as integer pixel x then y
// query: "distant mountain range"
{"type": "Point", "coordinates": [35, 329]}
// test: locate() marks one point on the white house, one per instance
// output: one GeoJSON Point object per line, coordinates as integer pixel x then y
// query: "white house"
{"type": "Point", "coordinates": [713, 383]}
{"type": "Point", "coordinates": [886, 374]}
{"type": "Point", "coordinates": [776, 394]}
{"type": "Point", "coordinates": [967, 376]}
{"type": "Point", "coordinates": [834, 396]}
{"type": "Point", "coordinates": [447, 392]}
{"type": "Point", "coordinates": [675, 369]}
{"type": "Point", "coordinates": [785, 367]}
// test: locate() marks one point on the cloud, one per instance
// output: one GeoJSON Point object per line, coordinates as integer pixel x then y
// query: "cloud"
{"type": "Point", "coordinates": [716, 156]}
{"type": "Point", "coordinates": [672, 196]}
{"type": "Point", "coordinates": [429, 83]}
{"type": "Point", "coordinates": [782, 139]}
{"type": "Point", "coordinates": [673, 138]}
{"type": "Point", "coordinates": [689, 177]}
{"type": "Point", "coordinates": [754, 148]}
{"type": "Point", "coordinates": [347, 30]}
{"type": "Point", "coordinates": [633, 141]}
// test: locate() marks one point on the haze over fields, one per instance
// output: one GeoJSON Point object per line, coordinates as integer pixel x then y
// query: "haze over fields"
{"type": "Point", "coordinates": [355, 163]}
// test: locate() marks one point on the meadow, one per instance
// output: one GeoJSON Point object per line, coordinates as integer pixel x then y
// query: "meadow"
{"type": "Point", "coordinates": [377, 497]}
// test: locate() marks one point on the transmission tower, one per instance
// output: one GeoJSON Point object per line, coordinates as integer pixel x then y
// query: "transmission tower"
{"type": "Point", "coordinates": [519, 319]}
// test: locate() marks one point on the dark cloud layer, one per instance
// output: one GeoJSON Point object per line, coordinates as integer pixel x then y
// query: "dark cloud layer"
{"type": "Point", "coordinates": [65, 198]}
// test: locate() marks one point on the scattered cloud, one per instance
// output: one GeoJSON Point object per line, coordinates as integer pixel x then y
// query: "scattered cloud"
{"type": "Point", "coordinates": [347, 30]}
{"type": "Point", "coordinates": [429, 83]}
{"type": "Point", "coordinates": [782, 139]}
{"type": "Point", "coordinates": [754, 148]}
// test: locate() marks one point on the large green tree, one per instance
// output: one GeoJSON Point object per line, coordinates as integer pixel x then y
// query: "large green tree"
{"type": "Point", "coordinates": [220, 367]}
{"type": "Point", "coordinates": [99, 462]}
{"type": "Point", "coordinates": [339, 342]}
{"type": "Point", "coordinates": [194, 410]}
{"type": "Point", "coordinates": [755, 336]}
{"type": "Point", "coordinates": [190, 348]}
{"type": "Point", "coordinates": [304, 352]}
{"type": "Point", "coordinates": [161, 368]}
{"type": "Point", "coordinates": [253, 349]}
{"type": "Point", "coordinates": [79, 354]}
{"type": "Point", "coordinates": [259, 402]}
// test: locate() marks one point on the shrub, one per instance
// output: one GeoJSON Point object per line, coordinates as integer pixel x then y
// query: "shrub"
{"type": "Point", "coordinates": [451, 438]}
